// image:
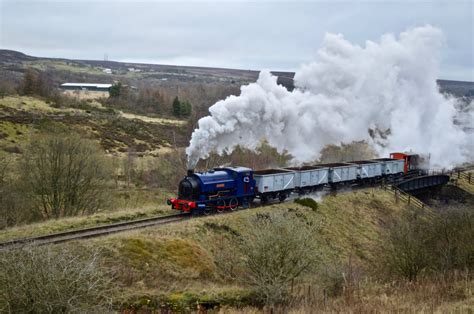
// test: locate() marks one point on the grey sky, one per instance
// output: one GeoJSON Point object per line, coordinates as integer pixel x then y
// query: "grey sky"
{"type": "Point", "coordinates": [278, 35]}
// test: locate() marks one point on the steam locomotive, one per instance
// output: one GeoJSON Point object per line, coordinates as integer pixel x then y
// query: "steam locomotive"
{"type": "Point", "coordinates": [230, 188]}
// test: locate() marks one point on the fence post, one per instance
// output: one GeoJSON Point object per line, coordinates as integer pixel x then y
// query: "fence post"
{"type": "Point", "coordinates": [469, 178]}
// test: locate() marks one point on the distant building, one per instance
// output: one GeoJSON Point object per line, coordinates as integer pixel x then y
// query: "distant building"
{"type": "Point", "coordinates": [107, 71]}
{"type": "Point", "coordinates": [86, 87]}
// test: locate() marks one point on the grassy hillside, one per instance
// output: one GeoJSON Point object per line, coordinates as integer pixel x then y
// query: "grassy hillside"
{"type": "Point", "coordinates": [116, 131]}
{"type": "Point", "coordinates": [180, 264]}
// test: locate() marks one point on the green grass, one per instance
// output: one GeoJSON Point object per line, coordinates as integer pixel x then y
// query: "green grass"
{"type": "Point", "coordinates": [25, 103]}
{"type": "Point", "coordinates": [154, 259]}
{"type": "Point", "coordinates": [13, 132]}
{"type": "Point", "coordinates": [34, 105]}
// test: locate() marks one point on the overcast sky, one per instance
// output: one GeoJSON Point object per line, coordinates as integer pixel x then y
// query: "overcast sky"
{"type": "Point", "coordinates": [277, 35]}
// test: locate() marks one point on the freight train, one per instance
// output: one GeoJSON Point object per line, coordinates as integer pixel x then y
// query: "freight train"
{"type": "Point", "coordinates": [229, 188]}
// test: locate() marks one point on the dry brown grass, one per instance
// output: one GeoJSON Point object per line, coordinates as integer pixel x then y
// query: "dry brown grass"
{"type": "Point", "coordinates": [426, 296]}
{"type": "Point", "coordinates": [86, 94]}
{"type": "Point", "coordinates": [464, 184]}
{"type": "Point", "coordinates": [152, 119]}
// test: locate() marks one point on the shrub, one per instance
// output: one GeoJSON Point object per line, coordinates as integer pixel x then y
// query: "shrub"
{"type": "Point", "coordinates": [12, 201]}
{"type": "Point", "coordinates": [63, 175]}
{"type": "Point", "coordinates": [437, 244]}
{"type": "Point", "coordinates": [308, 202]}
{"type": "Point", "coordinates": [277, 251]}
{"type": "Point", "coordinates": [43, 280]}
{"type": "Point", "coordinates": [407, 254]}
{"type": "Point", "coordinates": [451, 235]}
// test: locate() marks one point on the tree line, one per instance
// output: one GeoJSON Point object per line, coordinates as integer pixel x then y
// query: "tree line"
{"type": "Point", "coordinates": [145, 99]}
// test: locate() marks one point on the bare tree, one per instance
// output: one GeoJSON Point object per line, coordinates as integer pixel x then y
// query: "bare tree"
{"type": "Point", "coordinates": [277, 251]}
{"type": "Point", "coordinates": [4, 190]}
{"type": "Point", "coordinates": [129, 165]}
{"type": "Point", "coordinates": [11, 200]}
{"type": "Point", "coordinates": [43, 280]}
{"type": "Point", "coordinates": [64, 175]}
{"type": "Point", "coordinates": [406, 251]}
{"type": "Point", "coordinates": [451, 237]}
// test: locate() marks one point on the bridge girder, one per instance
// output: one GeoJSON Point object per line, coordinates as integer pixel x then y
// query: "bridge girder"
{"type": "Point", "coordinates": [423, 182]}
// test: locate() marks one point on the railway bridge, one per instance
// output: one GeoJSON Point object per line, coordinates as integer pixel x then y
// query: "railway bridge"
{"type": "Point", "coordinates": [422, 183]}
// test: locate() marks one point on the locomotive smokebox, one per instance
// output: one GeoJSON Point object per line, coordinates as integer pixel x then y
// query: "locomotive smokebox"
{"type": "Point", "coordinates": [190, 172]}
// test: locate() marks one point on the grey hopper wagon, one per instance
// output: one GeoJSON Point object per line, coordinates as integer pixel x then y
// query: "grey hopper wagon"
{"type": "Point", "coordinates": [310, 176]}
{"type": "Point", "coordinates": [341, 172]}
{"type": "Point", "coordinates": [274, 183]}
{"type": "Point", "coordinates": [391, 166]}
{"type": "Point", "coordinates": [274, 180]}
{"type": "Point", "coordinates": [367, 169]}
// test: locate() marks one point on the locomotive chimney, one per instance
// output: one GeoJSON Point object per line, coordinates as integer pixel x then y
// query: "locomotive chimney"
{"type": "Point", "coordinates": [190, 172]}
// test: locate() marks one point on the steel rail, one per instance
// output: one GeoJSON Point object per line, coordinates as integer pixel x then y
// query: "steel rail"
{"type": "Point", "coordinates": [94, 231]}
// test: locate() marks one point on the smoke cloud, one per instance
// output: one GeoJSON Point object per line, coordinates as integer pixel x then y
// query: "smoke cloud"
{"type": "Point", "coordinates": [343, 96]}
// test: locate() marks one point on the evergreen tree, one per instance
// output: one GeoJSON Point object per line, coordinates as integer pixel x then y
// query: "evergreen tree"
{"type": "Point", "coordinates": [115, 90]}
{"type": "Point", "coordinates": [176, 107]}
{"type": "Point", "coordinates": [185, 109]}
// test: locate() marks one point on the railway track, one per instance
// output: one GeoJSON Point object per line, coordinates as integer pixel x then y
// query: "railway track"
{"type": "Point", "coordinates": [147, 222]}
{"type": "Point", "coordinates": [94, 231]}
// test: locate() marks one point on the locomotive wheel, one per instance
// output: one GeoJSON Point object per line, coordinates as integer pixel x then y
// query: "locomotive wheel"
{"type": "Point", "coordinates": [207, 211]}
{"type": "Point", "coordinates": [220, 207]}
{"type": "Point", "coordinates": [233, 204]}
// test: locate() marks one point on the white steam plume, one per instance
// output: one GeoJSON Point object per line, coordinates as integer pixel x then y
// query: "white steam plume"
{"type": "Point", "coordinates": [390, 85]}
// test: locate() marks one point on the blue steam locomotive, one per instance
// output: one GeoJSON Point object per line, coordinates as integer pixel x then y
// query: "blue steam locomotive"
{"type": "Point", "coordinates": [219, 189]}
